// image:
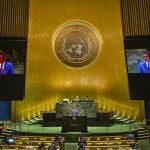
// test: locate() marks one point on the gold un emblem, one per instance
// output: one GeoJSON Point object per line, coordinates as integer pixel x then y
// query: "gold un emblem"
{"type": "Point", "coordinates": [76, 44]}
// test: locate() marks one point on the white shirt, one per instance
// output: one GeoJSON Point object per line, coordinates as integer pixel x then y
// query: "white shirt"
{"type": "Point", "coordinates": [2, 66]}
{"type": "Point", "coordinates": [147, 64]}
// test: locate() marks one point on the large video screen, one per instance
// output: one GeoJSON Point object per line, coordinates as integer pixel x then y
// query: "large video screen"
{"type": "Point", "coordinates": [12, 68]}
{"type": "Point", "coordinates": [137, 54]}
{"type": "Point", "coordinates": [138, 60]}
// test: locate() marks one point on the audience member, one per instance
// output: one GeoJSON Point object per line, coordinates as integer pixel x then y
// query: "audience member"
{"type": "Point", "coordinates": [41, 146]}
{"type": "Point", "coordinates": [82, 142]}
{"type": "Point", "coordinates": [81, 147]}
{"type": "Point", "coordinates": [134, 146]}
{"type": "Point", "coordinates": [29, 146]}
{"type": "Point", "coordinates": [4, 141]}
{"type": "Point", "coordinates": [52, 147]}
{"type": "Point", "coordinates": [57, 141]}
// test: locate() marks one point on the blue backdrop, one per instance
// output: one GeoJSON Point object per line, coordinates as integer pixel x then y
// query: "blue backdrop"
{"type": "Point", "coordinates": [5, 110]}
{"type": "Point", "coordinates": [147, 110]}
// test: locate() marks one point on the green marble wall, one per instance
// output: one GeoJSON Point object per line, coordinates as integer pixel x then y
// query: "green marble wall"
{"type": "Point", "coordinates": [85, 109]}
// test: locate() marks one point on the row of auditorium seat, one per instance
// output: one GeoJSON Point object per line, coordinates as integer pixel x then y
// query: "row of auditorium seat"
{"type": "Point", "coordinates": [22, 142]}
{"type": "Point", "coordinates": [108, 143]}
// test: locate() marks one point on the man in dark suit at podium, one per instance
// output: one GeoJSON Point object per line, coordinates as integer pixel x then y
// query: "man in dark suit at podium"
{"type": "Point", "coordinates": [74, 112]}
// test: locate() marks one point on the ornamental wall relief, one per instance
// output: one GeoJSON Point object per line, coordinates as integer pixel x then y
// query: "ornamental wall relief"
{"type": "Point", "coordinates": [76, 44]}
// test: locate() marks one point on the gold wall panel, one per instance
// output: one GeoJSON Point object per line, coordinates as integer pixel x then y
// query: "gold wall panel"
{"type": "Point", "coordinates": [49, 81]}
{"type": "Point", "coordinates": [14, 18]}
{"type": "Point", "coordinates": [135, 17]}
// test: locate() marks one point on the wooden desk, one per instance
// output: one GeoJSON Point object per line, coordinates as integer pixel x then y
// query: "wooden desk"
{"type": "Point", "coordinates": [74, 124]}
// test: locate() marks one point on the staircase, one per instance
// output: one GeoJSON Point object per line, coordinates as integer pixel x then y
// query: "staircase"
{"type": "Point", "coordinates": [33, 121]}
{"type": "Point", "coordinates": [7, 132]}
{"type": "Point", "coordinates": [122, 119]}
{"type": "Point", "coordinates": [142, 133]}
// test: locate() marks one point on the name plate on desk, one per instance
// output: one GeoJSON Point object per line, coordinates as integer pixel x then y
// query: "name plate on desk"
{"type": "Point", "coordinates": [74, 124]}
{"type": "Point", "coordinates": [87, 109]}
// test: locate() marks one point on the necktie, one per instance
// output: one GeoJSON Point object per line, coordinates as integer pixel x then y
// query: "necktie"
{"type": "Point", "coordinates": [148, 69]}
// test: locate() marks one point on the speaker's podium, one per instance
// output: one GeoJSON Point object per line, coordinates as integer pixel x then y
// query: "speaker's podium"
{"type": "Point", "coordinates": [74, 124]}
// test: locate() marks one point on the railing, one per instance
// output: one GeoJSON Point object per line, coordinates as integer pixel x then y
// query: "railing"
{"type": "Point", "coordinates": [116, 107]}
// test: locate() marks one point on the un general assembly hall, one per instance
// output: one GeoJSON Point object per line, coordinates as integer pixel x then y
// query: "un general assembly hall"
{"type": "Point", "coordinates": [75, 74]}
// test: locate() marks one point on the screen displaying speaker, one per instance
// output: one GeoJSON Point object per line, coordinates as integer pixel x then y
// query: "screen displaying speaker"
{"type": "Point", "coordinates": [137, 54]}
{"type": "Point", "coordinates": [12, 68]}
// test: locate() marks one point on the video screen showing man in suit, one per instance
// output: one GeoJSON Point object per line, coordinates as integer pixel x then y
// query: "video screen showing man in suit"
{"type": "Point", "coordinates": [138, 60]}
{"type": "Point", "coordinates": [5, 66]}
